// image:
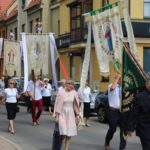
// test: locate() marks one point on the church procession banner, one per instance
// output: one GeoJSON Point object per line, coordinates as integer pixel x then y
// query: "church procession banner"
{"type": "Point", "coordinates": [38, 54]}
{"type": "Point", "coordinates": [12, 61]}
{"type": "Point", "coordinates": [129, 28]}
{"type": "Point", "coordinates": [133, 80]}
{"type": "Point", "coordinates": [107, 32]}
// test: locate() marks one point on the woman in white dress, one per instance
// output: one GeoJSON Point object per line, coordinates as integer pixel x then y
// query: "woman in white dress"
{"type": "Point", "coordinates": [11, 95]}
{"type": "Point", "coordinates": [66, 112]}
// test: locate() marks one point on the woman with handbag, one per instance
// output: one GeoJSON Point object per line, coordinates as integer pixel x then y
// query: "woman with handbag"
{"type": "Point", "coordinates": [10, 97]}
{"type": "Point", "coordinates": [66, 112]}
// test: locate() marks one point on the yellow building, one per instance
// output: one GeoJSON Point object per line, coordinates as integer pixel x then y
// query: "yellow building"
{"type": "Point", "coordinates": [72, 39]}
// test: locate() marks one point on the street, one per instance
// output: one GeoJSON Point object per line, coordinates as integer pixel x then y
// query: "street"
{"type": "Point", "coordinates": [28, 137]}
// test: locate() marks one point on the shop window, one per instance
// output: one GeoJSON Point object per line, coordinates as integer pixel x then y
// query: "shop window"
{"type": "Point", "coordinates": [146, 8]}
{"type": "Point", "coordinates": [146, 61]}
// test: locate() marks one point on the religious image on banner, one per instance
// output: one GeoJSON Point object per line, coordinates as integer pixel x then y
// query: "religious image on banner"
{"type": "Point", "coordinates": [108, 31]}
{"type": "Point", "coordinates": [38, 54]}
{"type": "Point", "coordinates": [12, 61]}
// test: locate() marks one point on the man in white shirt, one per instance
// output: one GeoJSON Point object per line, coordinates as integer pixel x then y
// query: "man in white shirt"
{"type": "Point", "coordinates": [35, 91]}
{"type": "Point", "coordinates": [115, 118]}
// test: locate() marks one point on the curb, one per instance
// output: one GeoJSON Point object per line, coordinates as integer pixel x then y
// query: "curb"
{"type": "Point", "coordinates": [11, 143]}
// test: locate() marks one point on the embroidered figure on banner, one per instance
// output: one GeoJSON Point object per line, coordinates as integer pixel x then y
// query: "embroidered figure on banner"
{"type": "Point", "coordinates": [11, 55]}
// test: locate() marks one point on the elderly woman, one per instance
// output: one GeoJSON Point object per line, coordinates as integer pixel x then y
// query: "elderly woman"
{"type": "Point", "coordinates": [66, 112]}
{"type": "Point", "coordinates": [86, 97]}
{"type": "Point", "coordinates": [10, 96]}
{"type": "Point", "coordinates": [46, 95]}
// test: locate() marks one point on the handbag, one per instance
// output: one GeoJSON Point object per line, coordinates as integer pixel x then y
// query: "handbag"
{"type": "Point", "coordinates": [56, 145]}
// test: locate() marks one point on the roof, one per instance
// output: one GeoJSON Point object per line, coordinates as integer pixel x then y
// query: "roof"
{"type": "Point", "coordinates": [32, 4]}
{"type": "Point", "coordinates": [13, 13]}
{"type": "Point", "coordinates": [4, 4]}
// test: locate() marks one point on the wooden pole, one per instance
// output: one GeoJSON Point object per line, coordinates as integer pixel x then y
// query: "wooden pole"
{"type": "Point", "coordinates": [134, 60]}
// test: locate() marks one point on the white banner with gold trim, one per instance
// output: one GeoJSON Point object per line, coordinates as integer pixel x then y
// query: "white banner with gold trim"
{"type": "Point", "coordinates": [38, 54]}
{"type": "Point", "coordinates": [12, 61]}
{"type": "Point", "coordinates": [107, 32]}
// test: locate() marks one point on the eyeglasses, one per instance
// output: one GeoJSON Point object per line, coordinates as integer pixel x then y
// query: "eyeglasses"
{"type": "Point", "coordinates": [12, 83]}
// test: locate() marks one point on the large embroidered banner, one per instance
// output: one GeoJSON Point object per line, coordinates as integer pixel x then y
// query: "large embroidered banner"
{"type": "Point", "coordinates": [12, 61]}
{"type": "Point", "coordinates": [38, 54]}
{"type": "Point", "coordinates": [107, 32]}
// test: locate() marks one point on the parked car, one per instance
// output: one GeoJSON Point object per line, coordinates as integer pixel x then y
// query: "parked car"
{"type": "Point", "coordinates": [102, 106]}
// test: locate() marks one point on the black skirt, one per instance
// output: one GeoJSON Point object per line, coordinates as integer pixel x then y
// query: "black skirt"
{"type": "Point", "coordinates": [87, 110]}
{"type": "Point", "coordinates": [47, 101]}
{"type": "Point", "coordinates": [11, 110]}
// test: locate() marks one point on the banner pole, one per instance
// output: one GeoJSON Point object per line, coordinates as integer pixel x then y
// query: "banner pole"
{"type": "Point", "coordinates": [135, 61]}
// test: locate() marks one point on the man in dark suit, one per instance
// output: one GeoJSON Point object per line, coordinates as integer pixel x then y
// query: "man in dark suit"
{"type": "Point", "coordinates": [140, 117]}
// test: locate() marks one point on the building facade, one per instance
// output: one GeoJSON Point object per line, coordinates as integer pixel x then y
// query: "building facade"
{"type": "Point", "coordinates": [73, 33]}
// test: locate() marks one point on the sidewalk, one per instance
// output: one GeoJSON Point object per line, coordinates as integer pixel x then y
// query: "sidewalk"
{"type": "Point", "coordinates": [7, 145]}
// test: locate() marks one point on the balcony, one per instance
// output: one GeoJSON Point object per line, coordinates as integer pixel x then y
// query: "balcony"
{"type": "Point", "coordinates": [75, 36]}
{"type": "Point", "coordinates": [63, 40]}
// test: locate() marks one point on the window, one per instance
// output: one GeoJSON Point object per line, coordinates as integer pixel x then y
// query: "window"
{"type": "Point", "coordinates": [4, 34]}
{"type": "Point", "coordinates": [23, 4]}
{"type": "Point", "coordinates": [77, 20]}
{"type": "Point", "coordinates": [31, 26]}
{"type": "Point", "coordinates": [105, 2]}
{"type": "Point", "coordinates": [23, 28]}
{"type": "Point", "coordinates": [15, 33]}
{"type": "Point", "coordinates": [146, 8]}
{"type": "Point", "coordinates": [146, 61]}
{"type": "Point", "coordinates": [37, 20]}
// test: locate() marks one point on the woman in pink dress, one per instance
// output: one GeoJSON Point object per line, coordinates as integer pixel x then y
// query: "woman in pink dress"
{"type": "Point", "coordinates": [66, 112]}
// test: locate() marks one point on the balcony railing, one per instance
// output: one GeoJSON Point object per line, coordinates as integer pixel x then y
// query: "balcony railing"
{"type": "Point", "coordinates": [63, 40]}
{"type": "Point", "coordinates": [75, 36]}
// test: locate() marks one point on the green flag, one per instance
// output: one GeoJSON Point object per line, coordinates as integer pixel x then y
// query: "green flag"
{"type": "Point", "coordinates": [133, 80]}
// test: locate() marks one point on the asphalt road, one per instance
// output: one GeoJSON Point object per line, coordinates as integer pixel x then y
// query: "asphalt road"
{"type": "Point", "coordinates": [29, 137]}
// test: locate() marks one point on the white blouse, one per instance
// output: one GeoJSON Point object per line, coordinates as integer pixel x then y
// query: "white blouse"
{"type": "Point", "coordinates": [46, 92]}
{"type": "Point", "coordinates": [87, 94]}
{"type": "Point", "coordinates": [11, 95]}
